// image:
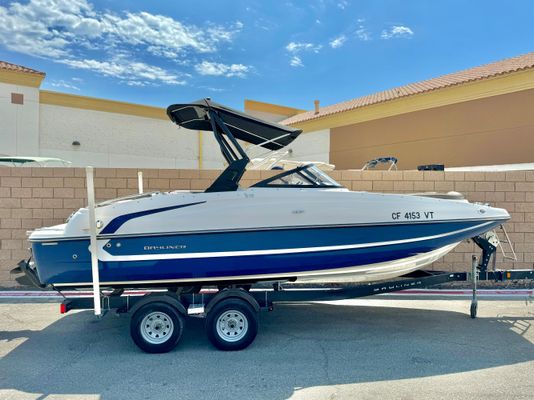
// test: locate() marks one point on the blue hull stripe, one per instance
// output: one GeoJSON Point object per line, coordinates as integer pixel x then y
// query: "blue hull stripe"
{"type": "Point", "coordinates": [117, 222]}
{"type": "Point", "coordinates": [279, 239]}
{"type": "Point", "coordinates": [55, 264]}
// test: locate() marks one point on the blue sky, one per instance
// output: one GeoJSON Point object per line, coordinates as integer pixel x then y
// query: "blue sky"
{"type": "Point", "coordinates": [286, 52]}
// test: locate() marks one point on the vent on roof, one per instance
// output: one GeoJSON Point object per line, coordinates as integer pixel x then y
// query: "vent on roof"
{"type": "Point", "coordinates": [316, 103]}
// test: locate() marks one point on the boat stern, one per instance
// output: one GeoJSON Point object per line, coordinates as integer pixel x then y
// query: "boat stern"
{"type": "Point", "coordinates": [55, 257]}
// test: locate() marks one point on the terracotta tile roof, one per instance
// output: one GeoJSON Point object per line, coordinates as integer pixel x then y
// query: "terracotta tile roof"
{"type": "Point", "coordinates": [19, 68]}
{"type": "Point", "coordinates": [508, 65]}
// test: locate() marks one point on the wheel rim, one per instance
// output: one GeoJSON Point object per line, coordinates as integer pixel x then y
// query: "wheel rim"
{"type": "Point", "coordinates": [232, 325]}
{"type": "Point", "coordinates": [157, 327]}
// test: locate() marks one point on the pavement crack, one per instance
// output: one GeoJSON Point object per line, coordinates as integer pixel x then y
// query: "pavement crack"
{"type": "Point", "coordinates": [326, 362]}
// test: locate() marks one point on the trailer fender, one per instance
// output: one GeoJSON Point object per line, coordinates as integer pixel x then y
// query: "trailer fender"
{"type": "Point", "coordinates": [159, 297]}
{"type": "Point", "coordinates": [232, 293]}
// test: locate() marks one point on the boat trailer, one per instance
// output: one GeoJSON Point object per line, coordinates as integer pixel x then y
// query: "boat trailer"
{"type": "Point", "coordinates": [231, 312]}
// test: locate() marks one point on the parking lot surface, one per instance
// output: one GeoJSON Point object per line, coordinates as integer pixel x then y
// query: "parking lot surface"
{"type": "Point", "coordinates": [364, 349]}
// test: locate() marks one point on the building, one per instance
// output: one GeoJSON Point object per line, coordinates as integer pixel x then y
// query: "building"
{"type": "Point", "coordinates": [312, 145]}
{"type": "Point", "coordinates": [100, 132]}
{"type": "Point", "coordinates": [480, 116]}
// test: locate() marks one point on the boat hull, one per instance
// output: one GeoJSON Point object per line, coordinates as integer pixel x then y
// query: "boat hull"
{"type": "Point", "coordinates": [358, 253]}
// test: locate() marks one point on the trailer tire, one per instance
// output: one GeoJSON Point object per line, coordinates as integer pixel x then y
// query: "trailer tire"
{"type": "Point", "coordinates": [157, 327]}
{"type": "Point", "coordinates": [232, 324]}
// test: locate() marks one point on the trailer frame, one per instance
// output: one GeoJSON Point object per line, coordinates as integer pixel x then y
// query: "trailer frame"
{"type": "Point", "coordinates": [253, 300]}
{"type": "Point", "coordinates": [289, 293]}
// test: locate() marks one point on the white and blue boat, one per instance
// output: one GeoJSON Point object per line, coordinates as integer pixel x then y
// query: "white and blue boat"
{"type": "Point", "coordinates": [298, 225]}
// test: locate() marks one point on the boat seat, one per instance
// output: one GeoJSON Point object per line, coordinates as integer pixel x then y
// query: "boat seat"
{"type": "Point", "coordinates": [446, 196]}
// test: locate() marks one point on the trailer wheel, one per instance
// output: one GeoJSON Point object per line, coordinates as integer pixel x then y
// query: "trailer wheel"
{"type": "Point", "coordinates": [156, 327]}
{"type": "Point", "coordinates": [232, 324]}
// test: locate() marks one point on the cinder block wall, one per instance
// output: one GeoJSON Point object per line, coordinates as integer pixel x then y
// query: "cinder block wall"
{"type": "Point", "coordinates": [35, 197]}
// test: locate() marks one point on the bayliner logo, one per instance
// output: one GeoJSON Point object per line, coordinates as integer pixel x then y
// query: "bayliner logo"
{"type": "Point", "coordinates": [166, 247]}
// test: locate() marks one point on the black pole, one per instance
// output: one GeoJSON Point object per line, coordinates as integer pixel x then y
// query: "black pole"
{"type": "Point", "coordinates": [225, 129]}
{"type": "Point", "coordinates": [226, 154]}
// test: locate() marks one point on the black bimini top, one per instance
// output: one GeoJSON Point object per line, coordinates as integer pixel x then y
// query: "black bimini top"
{"type": "Point", "coordinates": [242, 126]}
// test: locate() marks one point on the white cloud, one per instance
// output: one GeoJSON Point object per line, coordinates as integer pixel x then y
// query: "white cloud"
{"type": "Point", "coordinates": [362, 33]}
{"type": "Point", "coordinates": [294, 48]}
{"type": "Point", "coordinates": [132, 73]}
{"type": "Point", "coordinates": [219, 69]}
{"type": "Point", "coordinates": [63, 84]}
{"type": "Point", "coordinates": [69, 31]}
{"type": "Point", "coordinates": [338, 42]}
{"type": "Point", "coordinates": [297, 47]}
{"type": "Point", "coordinates": [212, 89]}
{"type": "Point", "coordinates": [59, 24]}
{"type": "Point", "coordinates": [296, 62]}
{"type": "Point", "coordinates": [136, 83]}
{"type": "Point", "coordinates": [342, 4]}
{"type": "Point", "coordinates": [397, 31]}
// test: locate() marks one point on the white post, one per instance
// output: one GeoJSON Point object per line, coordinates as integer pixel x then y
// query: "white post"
{"type": "Point", "coordinates": [140, 181]}
{"type": "Point", "coordinates": [93, 243]}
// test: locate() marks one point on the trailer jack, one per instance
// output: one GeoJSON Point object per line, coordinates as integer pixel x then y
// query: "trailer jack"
{"type": "Point", "coordinates": [488, 244]}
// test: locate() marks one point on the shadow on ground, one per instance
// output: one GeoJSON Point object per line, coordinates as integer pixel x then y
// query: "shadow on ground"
{"type": "Point", "coordinates": [298, 346]}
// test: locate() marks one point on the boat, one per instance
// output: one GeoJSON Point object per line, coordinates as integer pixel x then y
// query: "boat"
{"type": "Point", "coordinates": [372, 164]}
{"type": "Point", "coordinates": [297, 225]}
{"type": "Point", "coordinates": [20, 161]}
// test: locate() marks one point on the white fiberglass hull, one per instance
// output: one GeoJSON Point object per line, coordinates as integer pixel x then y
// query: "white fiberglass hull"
{"type": "Point", "coordinates": [258, 234]}
{"type": "Point", "coordinates": [378, 271]}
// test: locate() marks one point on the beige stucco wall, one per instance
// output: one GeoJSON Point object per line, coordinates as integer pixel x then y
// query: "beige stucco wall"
{"type": "Point", "coordinates": [119, 140]}
{"type": "Point", "coordinates": [311, 146]}
{"type": "Point", "coordinates": [108, 139]}
{"type": "Point", "coordinates": [19, 123]}
{"type": "Point", "coordinates": [267, 116]}
{"type": "Point", "coordinates": [488, 131]}
{"type": "Point", "coordinates": [116, 140]}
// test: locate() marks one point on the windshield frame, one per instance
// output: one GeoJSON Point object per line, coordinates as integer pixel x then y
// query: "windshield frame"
{"type": "Point", "coordinates": [308, 173]}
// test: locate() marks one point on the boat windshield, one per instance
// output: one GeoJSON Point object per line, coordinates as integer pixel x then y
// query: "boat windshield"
{"type": "Point", "coordinates": [306, 176]}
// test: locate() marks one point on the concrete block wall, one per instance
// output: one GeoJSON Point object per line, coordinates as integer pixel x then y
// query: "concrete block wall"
{"type": "Point", "coordinates": [35, 197]}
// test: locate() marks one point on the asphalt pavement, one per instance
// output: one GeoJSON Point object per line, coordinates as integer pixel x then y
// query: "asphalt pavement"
{"type": "Point", "coordinates": [359, 349]}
